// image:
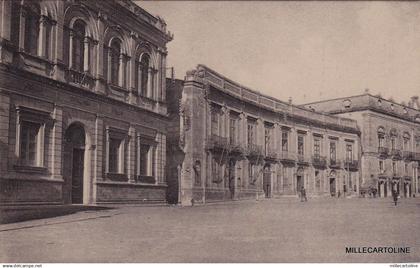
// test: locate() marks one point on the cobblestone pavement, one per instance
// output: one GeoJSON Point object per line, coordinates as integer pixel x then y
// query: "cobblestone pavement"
{"type": "Point", "coordinates": [277, 230]}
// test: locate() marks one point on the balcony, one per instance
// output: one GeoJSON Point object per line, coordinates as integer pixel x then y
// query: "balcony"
{"type": "Point", "coordinates": [83, 79]}
{"type": "Point", "coordinates": [383, 151]}
{"type": "Point", "coordinates": [302, 159]}
{"type": "Point", "coordinates": [382, 175]}
{"type": "Point", "coordinates": [416, 156]}
{"type": "Point", "coordinates": [335, 164]}
{"type": "Point", "coordinates": [255, 150]}
{"type": "Point", "coordinates": [319, 161]}
{"type": "Point", "coordinates": [407, 178]}
{"type": "Point", "coordinates": [270, 155]}
{"type": "Point", "coordinates": [408, 155]}
{"type": "Point", "coordinates": [351, 164]}
{"type": "Point", "coordinates": [287, 157]}
{"type": "Point", "coordinates": [395, 175]}
{"type": "Point", "coordinates": [396, 154]}
{"type": "Point", "coordinates": [217, 142]}
{"type": "Point", "coordinates": [235, 147]}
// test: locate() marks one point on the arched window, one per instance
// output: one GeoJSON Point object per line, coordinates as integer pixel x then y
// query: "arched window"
{"type": "Point", "coordinates": [393, 134]}
{"type": "Point", "coordinates": [114, 60]}
{"type": "Point", "coordinates": [406, 141]}
{"type": "Point", "coordinates": [381, 137]}
{"type": "Point", "coordinates": [144, 78]}
{"type": "Point", "coordinates": [78, 46]}
{"type": "Point", "coordinates": [32, 19]}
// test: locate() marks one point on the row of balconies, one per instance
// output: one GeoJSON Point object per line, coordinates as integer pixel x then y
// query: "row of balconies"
{"type": "Point", "coordinates": [394, 175]}
{"type": "Point", "coordinates": [218, 143]}
{"type": "Point", "coordinates": [398, 154]}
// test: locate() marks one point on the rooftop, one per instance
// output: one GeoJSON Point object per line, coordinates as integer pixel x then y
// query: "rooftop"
{"type": "Point", "coordinates": [267, 102]}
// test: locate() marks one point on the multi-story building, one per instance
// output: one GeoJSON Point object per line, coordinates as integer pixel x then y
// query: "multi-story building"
{"type": "Point", "coordinates": [230, 142]}
{"type": "Point", "coordinates": [82, 102]}
{"type": "Point", "coordinates": [390, 139]}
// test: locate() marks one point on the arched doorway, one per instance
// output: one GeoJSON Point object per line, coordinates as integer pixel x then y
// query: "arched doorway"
{"type": "Point", "coordinates": [73, 164]}
{"type": "Point", "coordinates": [267, 181]}
{"type": "Point", "coordinates": [299, 180]}
{"type": "Point", "coordinates": [332, 183]}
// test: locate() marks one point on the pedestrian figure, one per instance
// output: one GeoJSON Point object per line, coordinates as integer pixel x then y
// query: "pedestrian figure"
{"type": "Point", "coordinates": [339, 194]}
{"type": "Point", "coordinates": [395, 196]}
{"type": "Point", "coordinates": [303, 195]}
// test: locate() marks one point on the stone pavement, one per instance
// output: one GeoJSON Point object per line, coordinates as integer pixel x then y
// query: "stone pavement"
{"type": "Point", "coordinates": [277, 230]}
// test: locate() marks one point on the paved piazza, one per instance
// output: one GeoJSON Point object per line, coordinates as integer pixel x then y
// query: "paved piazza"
{"type": "Point", "coordinates": [279, 230]}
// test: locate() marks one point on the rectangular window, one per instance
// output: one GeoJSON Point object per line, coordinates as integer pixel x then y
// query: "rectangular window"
{"type": "Point", "coordinates": [114, 156]}
{"type": "Point", "coordinates": [349, 152]}
{"type": "Point", "coordinates": [251, 172]}
{"type": "Point", "coordinates": [284, 141]}
{"type": "Point", "coordinates": [29, 141]}
{"type": "Point", "coordinates": [394, 167]}
{"type": "Point", "coordinates": [300, 145]}
{"type": "Point", "coordinates": [405, 144]}
{"type": "Point", "coordinates": [406, 169]}
{"type": "Point", "coordinates": [381, 141]}
{"type": "Point", "coordinates": [251, 133]}
{"type": "Point", "coordinates": [144, 160]}
{"type": "Point", "coordinates": [267, 140]}
{"type": "Point", "coordinates": [333, 151]}
{"type": "Point", "coordinates": [393, 143]}
{"type": "Point", "coordinates": [381, 166]}
{"type": "Point", "coordinates": [232, 130]}
{"type": "Point", "coordinates": [317, 147]}
{"type": "Point", "coordinates": [215, 123]}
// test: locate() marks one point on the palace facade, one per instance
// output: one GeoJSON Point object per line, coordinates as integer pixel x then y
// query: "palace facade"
{"type": "Point", "coordinates": [228, 142]}
{"type": "Point", "coordinates": [83, 114]}
{"type": "Point", "coordinates": [390, 139]}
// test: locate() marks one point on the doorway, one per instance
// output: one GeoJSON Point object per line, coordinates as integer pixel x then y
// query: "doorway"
{"type": "Point", "coordinates": [267, 181]}
{"type": "Point", "coordinates": [74, 164]}
{"type": "Point", "coordinates": [332, 186]}
{"type": "Point", "coordinates": [231, 173]}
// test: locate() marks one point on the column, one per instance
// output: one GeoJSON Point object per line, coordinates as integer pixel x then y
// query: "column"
{"type": "Point", "coordinates": [4, 132]}
{"type": "Point", "coordinates": [121, 71]}
{"type": "Point", "coordinates": [149, 82]}
{"type": "Point", "coordinates": [86, 54]}
{"type": "Point", "coordinates": [22, 22]}
{"type": "Point", "coordinates": [163, 70]}
{"type": "Point", "coordinates": [42, 42]}
{"type": "Point", "coordinates": [5, 19]}
{"type": "Point", "coordinates": [131, 154]}
{"type": "Point", "coordinates": [71, 34]}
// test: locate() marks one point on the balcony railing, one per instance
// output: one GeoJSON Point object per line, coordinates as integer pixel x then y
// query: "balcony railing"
{"type": "Point", "coordinates": [335, 163]}
{"type": "Point", "coordinates": [416, 156]}
{"type": "Point", "coordinates": [302, 159]}
{"type": "Point", "coordinates": [407, 178]}
{"type": "Point", "coordinates": [286, 156]}
{"type": "Point", "coordinates": [383, 151]}
{"type": "Point", "coordinates": [270, 154]}
{"type": "Point", "coordinates": [351, 164]}
{"type": "Point", "coordinates": [254, 150]}
{"type": "Point", "coordinates": [319, 161]}
{"type": "Point", "coordinates": [217, 142]}
{"type": "Point", "coordinates": [408, 155]}
{"type": "Point", "coordinates": [80, 78]}
{"type": "Point", "coordinates": [235, 147]}
{"type": "Point", "coordinates": [396, 153]}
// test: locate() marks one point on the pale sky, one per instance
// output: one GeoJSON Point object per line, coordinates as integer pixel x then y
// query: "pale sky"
{"type": "Point", "coordinates": [305, 50]}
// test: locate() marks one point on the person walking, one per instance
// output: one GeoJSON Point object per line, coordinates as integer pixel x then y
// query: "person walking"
{"type": "Point", "coordinates": [303, 195]}
{"type": "Point", "coordinates": [395, 196]}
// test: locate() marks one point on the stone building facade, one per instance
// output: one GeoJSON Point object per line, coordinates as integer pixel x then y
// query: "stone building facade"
{"type": "Point", "coordinates": [230, 142]}
{"type": "Point", "coordinates": [83, 114]}
{"type": "Point", "coordinates": [390, 140]}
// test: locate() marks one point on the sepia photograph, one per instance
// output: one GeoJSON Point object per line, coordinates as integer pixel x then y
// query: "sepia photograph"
{"type": "Point", "coordinates": [209, 132]}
